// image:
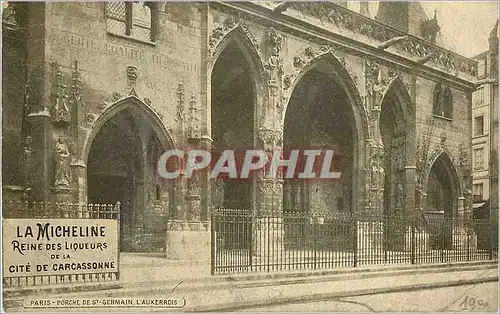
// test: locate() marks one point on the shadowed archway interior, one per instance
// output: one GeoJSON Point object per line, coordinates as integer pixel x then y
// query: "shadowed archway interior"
{"type": "Point", "coordinates": [233, 103]}
{"type": "Point", "coordinates": [440, 202]}
{"type": "Point", "coordinates": [392, 131]}
{"type": "Point", "coordinates": [121, 167]}
{"type": "Point", "coordinates": [319, 115]}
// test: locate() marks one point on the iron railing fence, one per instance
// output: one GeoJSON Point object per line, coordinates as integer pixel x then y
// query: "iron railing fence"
{"type": "Point", "coordinates": [55, 210]}
{"type": "Point", "coordinates": [61, 210]}
{"type": "Point", "coordinates": [242, 242]}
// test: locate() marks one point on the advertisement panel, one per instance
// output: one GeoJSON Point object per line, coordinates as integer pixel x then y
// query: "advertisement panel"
{"type": "Point", "coordinates": [43, 247]}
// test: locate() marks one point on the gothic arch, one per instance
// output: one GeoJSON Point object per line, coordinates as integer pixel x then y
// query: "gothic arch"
{"type": "Point", "coordinates": [327, 63]}
{"type": "Point", "coordinates": [247, 45]}
{"type": "Point", "coordinates": [397, 86]}
{"type": "Point", "coordinates": [397, 129]}
{"type": "Point", "coordinates": [443, 155]}
{"type": "Point", "coordinates": [155, 121]}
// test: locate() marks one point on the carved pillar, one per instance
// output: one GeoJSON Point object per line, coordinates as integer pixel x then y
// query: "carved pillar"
{"type": "Point", "coordinates": [205, 183]}
{"type": "Point", "coordinates": [77, 133]}
{"type": "Point", "coordinates": [375, 87]}
{"type": "Point", "coordinates": [269, 191]}
{"type": "Point", "coordinates": [267, 231]}
{"type": "Point", "coordinates": [188, 238]}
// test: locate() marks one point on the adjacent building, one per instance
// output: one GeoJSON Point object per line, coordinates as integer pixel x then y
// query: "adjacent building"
{"type": "Point", "coordinates": [485, 135]}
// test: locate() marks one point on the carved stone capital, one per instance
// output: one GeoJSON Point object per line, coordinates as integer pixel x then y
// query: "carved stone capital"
{"type": "Point", "coordinates": [270, 137]}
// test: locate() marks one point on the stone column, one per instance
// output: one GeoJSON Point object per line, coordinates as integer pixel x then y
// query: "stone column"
{"type": "Point", "coordinates": [188, 238]}
{"type": "Point", "coordinates": [39, 98]}
{"type": "Point", "coordinates": [267, 229]}
{"type": "Point", "coordinates": [370, 232]}
{"type": "Point", "coordinates": [410, 187]}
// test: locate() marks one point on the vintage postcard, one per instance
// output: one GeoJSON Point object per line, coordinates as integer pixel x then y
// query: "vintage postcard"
{"type": "Point", "coordinates": [335, 156]}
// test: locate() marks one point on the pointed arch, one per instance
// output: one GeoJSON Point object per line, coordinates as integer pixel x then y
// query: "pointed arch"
{"type": "Point", "coordinates": [328, 64]}
{"type": "Point", "coordinates": [243, 40]}
{"type": "Point", "coordinates": [154, 119]}
{"type": "Point", "coordinates": [324, 62]}
{"type": "Point", "coordinates": [444, 158]}
{"type": "Point", "coordinates": [247, 45]}
{"type": "Point", "coordinates": [397, 87]}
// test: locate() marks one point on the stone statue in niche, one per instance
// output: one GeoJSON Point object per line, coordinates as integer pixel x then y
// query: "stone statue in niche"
{"type": "Point", "coordinates": [374, 173]}
{"type": "Point", "coordinates": [399, 195]}
{"type": "Point", "coordinates": [381, 175]}
{"type": "Point", "coordinates": [62, 167]}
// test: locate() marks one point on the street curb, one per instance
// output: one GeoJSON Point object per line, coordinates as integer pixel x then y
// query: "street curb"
{"type": "Point", "coordinates": [280, 282]}
{"type": "Point", "coordinates": [255, 280]}
{"type": "Point", "coordinates": [232, 307]}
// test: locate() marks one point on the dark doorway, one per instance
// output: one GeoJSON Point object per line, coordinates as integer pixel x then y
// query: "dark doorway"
{"type": "Point", "coordinates": [233, 98]}
{"type": "Point", "coordinates": [110, 189]}
{"type": "Point", "coordinates": [319, 116]}
{"type": "Point", "coordinates": [120, 170]}
{"type": "Point", "coordinates": [439, 211]}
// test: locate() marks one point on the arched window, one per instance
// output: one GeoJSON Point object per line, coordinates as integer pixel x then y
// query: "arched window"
{"type": "Point", "coordinates": [442, 102]}
{"type": "Point", "coordinates": [437, 106]}
{"type": "Point", "coordinates": [447, 103]}
{"type": "Point", "coordinates": [136, 19]}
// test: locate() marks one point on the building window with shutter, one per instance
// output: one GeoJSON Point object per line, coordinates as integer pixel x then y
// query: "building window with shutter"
{"type": "Point", "coordinates": [478, 158]}
{"type": "Point", "coordinates": [132, 19]}
{"type": "Point", "coordinates": [479, 126]}
{"type": "Point", "coordinates": [479, 97]}
{"type": "Point", "coordinates": [478, 192]}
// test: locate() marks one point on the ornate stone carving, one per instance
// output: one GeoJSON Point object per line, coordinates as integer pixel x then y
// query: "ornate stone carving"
{"type": "Point", "coordinates": [230, 24]}
{"type": "Point", "coordinates": [76, 86]}
{"type": "Point", "coordinates": [89, 120]}
{"type": "Point", "coordinates": [270, 187]}
{"type": "Point", "coordinates": [194, 120]}
{"type": "Point", "coordinates": [220, 31]}
{"type": "Point", "coordinates": [307, 57]}
{"type": "Point", "coordinates": [60, 110]}
{"type": "Point", "coordinates": [328, 12]}
{"type": "Point", "coordinates": [62, 173]}
{"type": "Point", "coordinates": [374, 82]}
{"type": "Point", "coordinates": [274, 64]}
{"type": "Point", "coordinates": [353, 75]}
{"type": "Point", "coordinates": [268, 137]}
{"type": "Point", "coordinates": [377, 166]}
{"type": "Point", "coordinates": [102, 105]}
{"type": "Point", "coordinates": [116, 96]}
{"type": "Point", "coordinates": [180, 115]}
{"type": "Point", "coordinates": [132, 74]}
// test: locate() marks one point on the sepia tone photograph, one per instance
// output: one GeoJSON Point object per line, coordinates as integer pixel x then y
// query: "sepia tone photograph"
{"type": "Point", "coordinates": [252, 156]}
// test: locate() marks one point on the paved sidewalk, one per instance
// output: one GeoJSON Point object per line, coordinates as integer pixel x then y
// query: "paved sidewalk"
{"type": "Point", "coordinates": [221, 294]}
{"type": "Point", "coordinates": [238, 297]}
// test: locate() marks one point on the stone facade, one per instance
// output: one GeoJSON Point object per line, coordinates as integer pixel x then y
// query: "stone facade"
{"type": "Point", "coordinates": [78, 75]}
